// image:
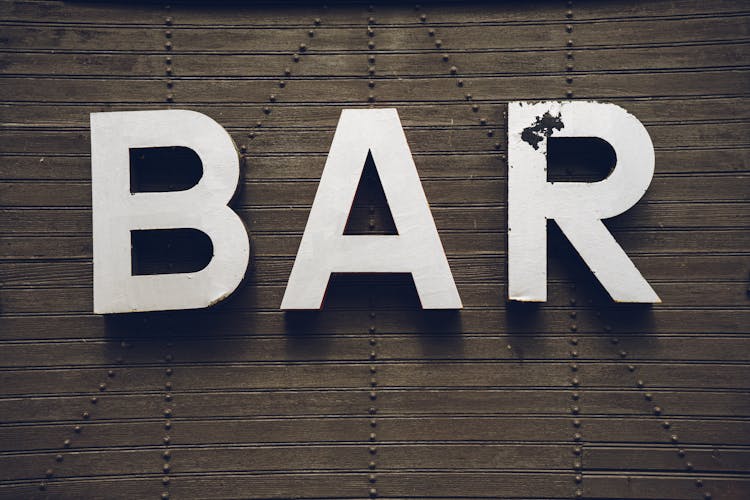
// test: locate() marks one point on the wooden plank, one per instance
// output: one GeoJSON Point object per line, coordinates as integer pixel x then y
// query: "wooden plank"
{"type": "Point", "coordinates": [686, 83]}
{"type": "Point", "coordinates": [469, 322]}
{"type": "Point", "coordinates": [633, 486]}
{"type": "Point", "coordinates": [99, 355]}
{"type": "Point", "coordinates": [77, 222]}
{"type": "Point", "coordinates": [672, 110]}
{"type": "Point", "coordinates": [717, 135]}
{"type": "Point", "coordinates": [424, 374]}
{"type": "Point", "coordinates": [665, 460]}
{"type": "Point", "coordinates": [248, 485]}
{"type": "Point", "coordinates": [480, 191]}
{"type": "Point", "coordinates": [78, 297]}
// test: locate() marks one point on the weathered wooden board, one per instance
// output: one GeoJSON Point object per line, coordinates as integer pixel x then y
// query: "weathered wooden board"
{"type": "Point", "coordinates": [373, 397]}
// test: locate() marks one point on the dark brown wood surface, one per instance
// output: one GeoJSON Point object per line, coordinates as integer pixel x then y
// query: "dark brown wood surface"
{"type": "Point", "coordinates": [373, 397]}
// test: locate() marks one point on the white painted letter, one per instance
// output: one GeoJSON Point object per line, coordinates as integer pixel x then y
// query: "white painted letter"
{"type": "Point", "coordinates": [325, 249]}
{"type": "Point", "coordinates": [577, 207]}
{"type": "Point", "coordinates": [117, 211]}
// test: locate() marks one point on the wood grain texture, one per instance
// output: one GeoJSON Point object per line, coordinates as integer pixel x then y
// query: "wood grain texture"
{"type": "Point", "coordinates": [373, 397]}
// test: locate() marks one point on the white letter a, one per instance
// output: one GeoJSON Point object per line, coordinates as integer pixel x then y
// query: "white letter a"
{"type": "Point", "coordinates": [325, 249]}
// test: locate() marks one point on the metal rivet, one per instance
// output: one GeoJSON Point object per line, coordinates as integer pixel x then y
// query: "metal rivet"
{"type": "Point", "coordinates": [371, 20]}
{"type": "Point", "coordinates": [49, 473]}
{"type": "Point", "coordinates": [689, 465]}
{"type": "Point", "coordinates": [569, 28]}
{"type": "Point", "coordinates": [370, 32]}
{"type": "Point", "coordinates": [490, 133]}
{"type": "Point", "coordinates": [657, 410]}
{"type": "Point", "coordinates": [631, 368]}
{"type": "Point", "coordinates": [371, 465]}
{"type": "Point", "coordinates": [243, 149]}
{"type": "Point", "coordinates": [569, 79]}
{"type": "Point", "coordinates": [674, 438]}
{"type": "Point", "coordinates": [110, 373]}
{"type": "Point", "coordinates": [431, 32]}
{"type": "Point", "coordinates": [302, 47]}
{"type": "Point", "coordinates": [166, 439]}
{"type": "Point", "coordinates": [569, 43]}
{"type": "Point", "coordinates": [373, 492]}
{"type": "Point", "coordinates": [573, 341]}
{"type": "Point", "coordinates": [170, 84]}
{"type": "Point", "coordinates": [569, 93]}
{"type": "Point", "coordinates": [371, 58]}
{"type": "Point", "coordinates": [639, 383]}
{"type": "Point", "coordinates": [167, 455]}
{"type": "Point", "coordinates": [574, 367]}
{"type": "Point", "coordinates": [168, 21]}
{"type": "Point", "coordinates": [77, 429]}
{"type": "Point", "coordinates": [373, 355]}
{"type": "Point", "coordinates": [168, 71]}
{"type": "Point", "coordinates": [94, 400]}
{"type": "Point", "coordinates": [497, 145]}
{"type": "Point", "coordinates": [372, 478]}
{"type": "Point", "coordinates": [311, 33]}
{"type": "Point", "coordinates": [569, 67]}
{"type": "Point", "coordinates": [373, 450]}
{"type": "Point", "coordinates": [483, 121]}
{"type": "Point", "coordinates": [648, 396]}
{"type": "Point", "coordinates": [577, 437]}
{"type": "Point", "coordinates": [699, 483]}
{"type": "Point", "coordinates": [373, 410]}
{"type": "Point", "coordinates": [372, 436]}
{"type": "Point", "coordinates": [680, 452]}
{"type": "Point", "coordinates": [282, 84]}
{"type": "Point", "coordinates": [317, 21]}
{"type": "Point", "coordinates": [168, 385]}
{"type": "Point", "coordinates": [454, 70]}
{"type": "Point", "coordinates": [85, 415]}
{"type": "Point", "coordinates": [460, 82]}
{"type": "Point", "coordinates": [574, 353]}
{"type": "Point", "coordinates": [371, 83]}
{"type": "Point", "coordinates": [373, 423]}
{"type": "Point", "coordinates": [578, 478]}
{"type": "Point", "coordinates": [569, 54]}
{"type": "Point", "coordinates": [371, 70]}
{"type": "Point", "coordinates": [167, 425]}
{"type": "Point", "coordinates": [165, 495]}
{"type": "Point", "coordinates": [575, 382]}
{"type": "Point", "coordinates": [666, 424]}
{"type": "Point", "coordinates": [167, 398]}
{"type": "Point", "coordinates": [165, 480]}
{"type": "Point", "coordinates": [623, 354]}
{"type": "Point", "coordinates": [168, 34]}
{"type": "Point", "coordinates": [707, 496]}
{"type": "Point", "coordinates": [577, 464]}
{"type": "Point", "coordinates": [66, 443]}
{"type": "Point", "coordinates": [167, 412]}
{"type": "Point", "coordinates": [267, 110]}
{"type": "Point", "coordinates": [569, 14]}
{"type": "Point", "coordinates": [579, 493]}
{"type": "Point", "coordinates": [446, 57]}
{"type": "Point", "coordinates": [475, 107]}
{"type": "Point", "coordinates": [573, 301]}
{"type": "Point", "coordinates": [575, 396]}
{"type": "Point", "coordinates": [287, 71]}
{"type": "Point", "coordinates": [373, 369]}
{"type": "Point", "coordinates": [370, 44]}
{"type": "Point", "coordinates": [575, 410]}
{"type": "Point", "coordinates": [170, 98]}
{"type": "Point", "coordinates": [373, 395]}
{"type": "Point", "coordinates": [295, 57]}
{"type": "Point", "coordinates": [58, 458]}
{"type": "Point", "coordinates": [576, 423]}
{"type": "Point", "coordinates": [438, 43]}
{"type": "Point", "coordinates": [373, 382]}
{"type": "Point", "coordinates": [168, 45]}
{"type": "Point", "coordinates": [165, 467]}
{"type": "Point", "coordinates": [423, 17]}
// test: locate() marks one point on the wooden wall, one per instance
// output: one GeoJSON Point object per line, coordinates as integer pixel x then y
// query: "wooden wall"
{"type": "Point", "coordinates": [372, 396]}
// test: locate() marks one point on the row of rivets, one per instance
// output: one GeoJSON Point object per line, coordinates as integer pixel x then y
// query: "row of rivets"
{"type": "Point", "coordinates": [569, 53]}
{"type": "Point", "coordinates": [273, 96]}
{"type": "Point", "coordinates": [372, 342]}
{"type": "Point", "coordinates": [575, 397]}
{"type": "Point", "coordinates": [167, 412]}
{"type": "Point", "coordinates": [168, 46]}
{"type": "Point", "coordinates": [85, 416]}
{"type": "Point", "coordinates": [454, 71]}
{"type": "Point", "coordinates": [656, 410]}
